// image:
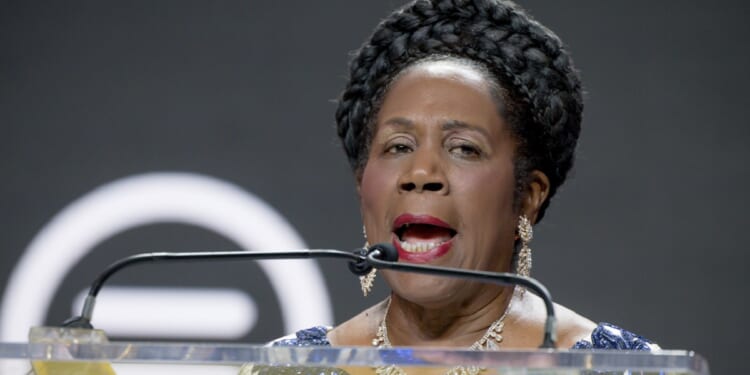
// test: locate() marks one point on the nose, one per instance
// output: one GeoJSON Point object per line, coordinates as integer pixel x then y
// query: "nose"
{"type": "Point", "coordinates": [425, 173]}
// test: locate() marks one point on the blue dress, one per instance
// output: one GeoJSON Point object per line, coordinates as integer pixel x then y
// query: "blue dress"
{"type": "Point", "coordinates": [604, 336]}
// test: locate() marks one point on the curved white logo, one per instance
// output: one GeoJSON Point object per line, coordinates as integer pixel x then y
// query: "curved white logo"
{"type": "Point", "coordinates": [156, 198]}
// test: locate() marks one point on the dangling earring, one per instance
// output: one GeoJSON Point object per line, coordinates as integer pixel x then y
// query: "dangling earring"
{"type": "Point", "coordinates": [368, 280]}
{"type": "Point", "coordinates": [525, 233]}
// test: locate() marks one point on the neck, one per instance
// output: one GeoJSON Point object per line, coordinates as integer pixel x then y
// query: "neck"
{"type": "Point", "coordinates": [459, 324]}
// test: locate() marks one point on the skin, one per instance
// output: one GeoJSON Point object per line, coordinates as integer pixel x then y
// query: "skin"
{"type": "Point", "coordinates": [441, 147]}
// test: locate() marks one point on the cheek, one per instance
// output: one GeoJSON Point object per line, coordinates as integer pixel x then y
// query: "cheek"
{"type": "Point", "coordinates": [368, 187]}
{"type": "Point", "coordinates": [373, 191]}
{"type": "Point", "coordinates": [487, 192]}
{"type": "Point", "coordinates": [486, 205]}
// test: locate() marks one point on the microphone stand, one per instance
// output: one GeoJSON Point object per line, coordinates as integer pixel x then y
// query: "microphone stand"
{"type": "Point", "coordinates": [361, 261]}
{"type": "Point", "coordinates": [357, 265]}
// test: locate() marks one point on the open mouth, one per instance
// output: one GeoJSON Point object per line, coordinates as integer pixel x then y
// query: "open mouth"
{"type": "Point", "coordinates": [417, 235]}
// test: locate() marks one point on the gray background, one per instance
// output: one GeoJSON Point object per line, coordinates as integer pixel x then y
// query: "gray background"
{"type": "Point", "coordinates": [646, 234]}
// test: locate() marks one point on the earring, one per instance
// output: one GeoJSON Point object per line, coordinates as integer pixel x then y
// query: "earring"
{"type": "Point", "coordinates": [368, 280]}
{"type": "Point", "coordinates": [525, 233]}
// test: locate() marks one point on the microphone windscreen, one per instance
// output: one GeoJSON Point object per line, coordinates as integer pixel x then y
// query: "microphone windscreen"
{"type": "Point", "coordinates": [388, 252]}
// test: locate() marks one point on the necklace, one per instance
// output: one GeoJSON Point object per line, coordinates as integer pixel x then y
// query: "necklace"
{"type": "Point", "coordinates": [490, 341]}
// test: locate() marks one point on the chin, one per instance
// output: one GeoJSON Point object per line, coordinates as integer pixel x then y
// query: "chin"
{"type": "Point", "coordinates": [427, 290]}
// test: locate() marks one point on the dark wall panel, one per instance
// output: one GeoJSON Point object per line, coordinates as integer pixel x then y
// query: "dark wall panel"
{"type": "Point", "coordinates": [647, 233]}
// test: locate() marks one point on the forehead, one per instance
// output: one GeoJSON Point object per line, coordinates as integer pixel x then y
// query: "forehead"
{"type": "Point", "coordinates": [454, 69]}
{"type": "Point", "coordinates": [436, 91]}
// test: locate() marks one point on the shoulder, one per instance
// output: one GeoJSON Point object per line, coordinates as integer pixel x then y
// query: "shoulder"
{"type": "Point", "coordinates": [314, 336]}
{"type": "Point", "coordinates": [527, 318]}
{"type": "Point", "coordinates": [578, 332]}
{"type": "Point", "coordinates": [357, 331]}
{"type": "Point", "coordinates": [574, 330]}
{"type": "Point", "coordinates": [572, 327]}
{"type": "Point", "coordinates": [609, 336]}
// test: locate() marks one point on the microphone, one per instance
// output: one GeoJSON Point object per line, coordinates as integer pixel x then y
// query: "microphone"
{"type": "Point", "coordinates": [384, 255]}
{"type": "Point", "coordinates": [358, 264]}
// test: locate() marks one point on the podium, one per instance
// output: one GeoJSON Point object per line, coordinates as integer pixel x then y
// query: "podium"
{"type": "Point", "coordinates": [90, 353]}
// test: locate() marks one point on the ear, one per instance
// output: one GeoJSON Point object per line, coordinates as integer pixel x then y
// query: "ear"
{"type": "Point", "coordinates": [536, 193]}
{"type": "Point", "coordinates": [358, 184]}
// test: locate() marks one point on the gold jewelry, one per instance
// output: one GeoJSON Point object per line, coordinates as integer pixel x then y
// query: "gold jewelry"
{"type": "Point", "coordinates": [525, 233]}
{"type": "Point", "coordinates": [523, 262]}
{"type": "Point", "coordinates": [490, 341]}
{"type": "Point", "coordinates": [366, 281]}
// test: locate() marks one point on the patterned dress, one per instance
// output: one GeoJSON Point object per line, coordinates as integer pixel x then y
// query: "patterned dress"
{"type": "Point", "coordinates": [604, 336]}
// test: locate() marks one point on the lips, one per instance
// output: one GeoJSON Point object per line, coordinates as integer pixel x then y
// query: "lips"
{"type": "Point", "coordinates": [421, 238]}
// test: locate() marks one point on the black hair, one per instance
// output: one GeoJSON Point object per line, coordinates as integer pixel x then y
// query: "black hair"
{"type": "Point", "coordinates": [540, 88]}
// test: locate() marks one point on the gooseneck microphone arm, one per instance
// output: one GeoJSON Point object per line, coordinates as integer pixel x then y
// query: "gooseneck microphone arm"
{"type": "Point", "coordinates": [385, 256]}
{"type": "Point", "coordinates": [361, 261]}
{"type": "Point", "coordinates": [358, 265]}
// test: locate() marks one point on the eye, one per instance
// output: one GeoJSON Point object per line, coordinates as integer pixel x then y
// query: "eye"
{"type": "Point", "coordinates": [465, 150]}
{"type": "Point", "coordinates": [399, 145]}
{"type": "Point", "coordinates": [398, 148]}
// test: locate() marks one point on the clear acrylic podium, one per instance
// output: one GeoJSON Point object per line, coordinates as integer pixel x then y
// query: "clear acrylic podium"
{"type": "Point", "coordinates": [88, 352]}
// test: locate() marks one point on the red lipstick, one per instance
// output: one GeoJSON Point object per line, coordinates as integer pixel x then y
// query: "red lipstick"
{"type": "Point", "coordinates": [404, 219]}
{"type": "Point", "coordinates": [425, 256]}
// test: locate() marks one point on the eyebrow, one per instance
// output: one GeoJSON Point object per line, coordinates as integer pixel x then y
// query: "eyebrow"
{"type": "Point", "coordinates": [402, 122]}
{"type": "Point", "coordinates": [457, 124]}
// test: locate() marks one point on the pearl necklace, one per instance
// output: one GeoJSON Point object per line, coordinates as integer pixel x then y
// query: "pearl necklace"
{"type": "Point", "coordinates": [490, 341]}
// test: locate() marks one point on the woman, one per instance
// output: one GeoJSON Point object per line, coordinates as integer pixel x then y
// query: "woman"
{"type": "Point", "coordinates": [460, 121]}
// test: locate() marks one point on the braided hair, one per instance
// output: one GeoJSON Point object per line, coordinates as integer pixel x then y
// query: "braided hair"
{"type": "Point", "coordinates": [540, 87]}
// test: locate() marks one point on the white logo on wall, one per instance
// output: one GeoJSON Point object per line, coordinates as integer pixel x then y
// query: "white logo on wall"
{"type": "Point", "coordinates": [181, 312]}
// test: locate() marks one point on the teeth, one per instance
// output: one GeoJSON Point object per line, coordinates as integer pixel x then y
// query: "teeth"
{"type": "Point", "coordinates": [419, 247]}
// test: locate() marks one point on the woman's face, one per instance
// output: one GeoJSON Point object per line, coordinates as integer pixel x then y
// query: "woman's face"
{"type": "Point", "coordinates": [439, 180]}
